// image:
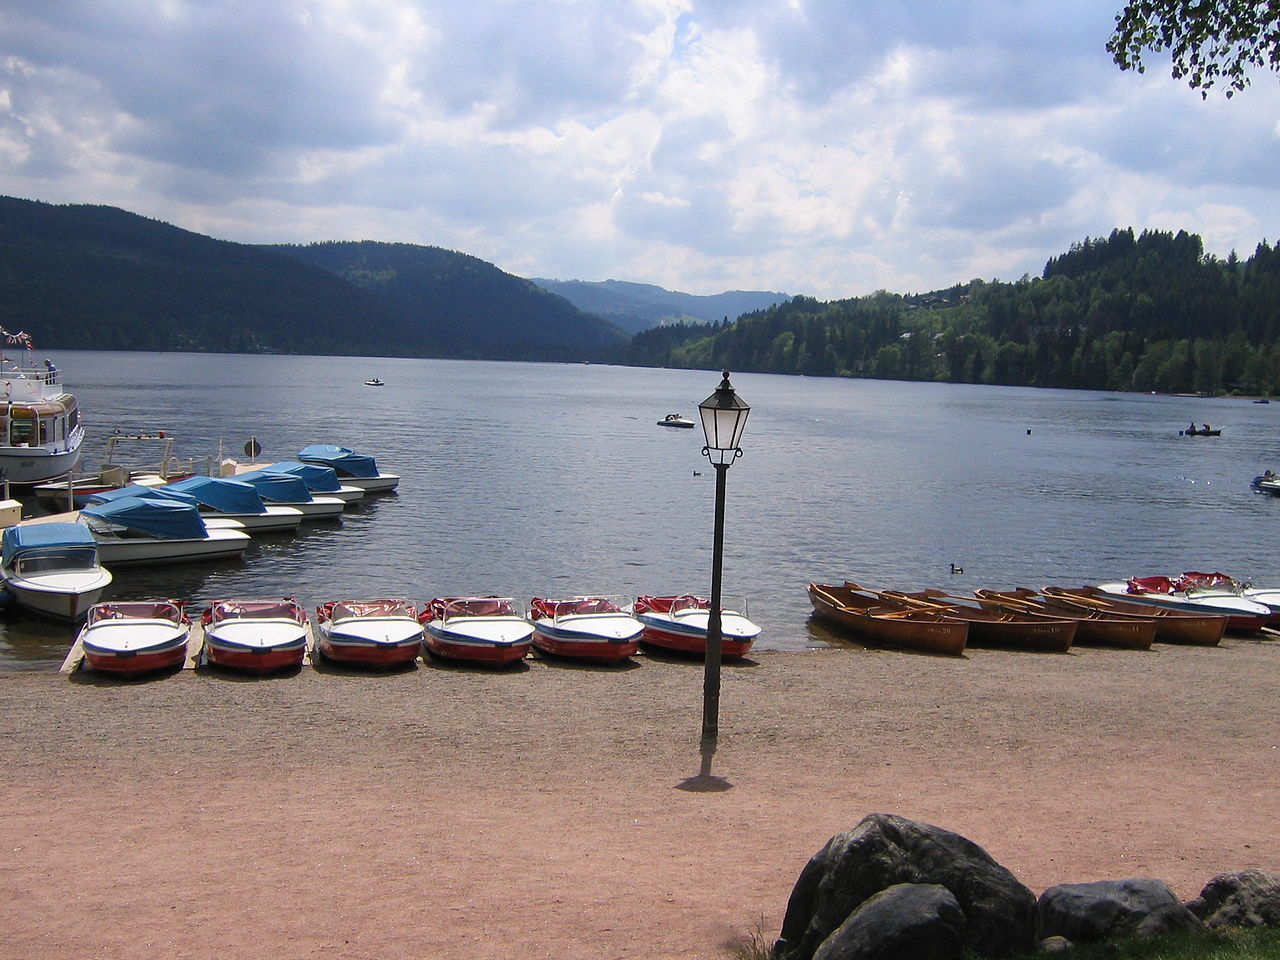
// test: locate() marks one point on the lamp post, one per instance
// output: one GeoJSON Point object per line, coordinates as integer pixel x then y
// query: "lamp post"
{"type": "Point", "coordinates": [724, 415]}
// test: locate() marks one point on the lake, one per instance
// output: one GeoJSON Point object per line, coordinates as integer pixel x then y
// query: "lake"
{"type": "Point", "coordinates": [532, 479]}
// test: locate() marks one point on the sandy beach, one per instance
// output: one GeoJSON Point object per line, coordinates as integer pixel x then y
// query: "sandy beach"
{"type": "Point", "coordinates": [452, 813]}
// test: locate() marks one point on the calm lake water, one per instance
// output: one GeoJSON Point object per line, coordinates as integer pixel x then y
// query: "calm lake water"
{"type": "Point", "coordinates": [554, 479]}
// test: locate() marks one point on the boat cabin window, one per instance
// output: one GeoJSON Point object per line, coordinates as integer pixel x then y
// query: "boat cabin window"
{"type": "Point", "coordinates": [21, 432]}
{"type": "Point", "coordinates": [53, 562]}
{"type": "Point", "coordinates": [46, 431]}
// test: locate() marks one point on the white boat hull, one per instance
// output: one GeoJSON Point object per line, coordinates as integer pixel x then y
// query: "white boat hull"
{"type": "Point", "coordinates": [24, 466]}
{"type": "Point", "coordinates": [382, 483]}
{"type": "Point", "coordinates": [219, 543]}
{"type": "Point", "coordinates": [62, 596]}
{"type": "Point", "coordinates": [274, 518]}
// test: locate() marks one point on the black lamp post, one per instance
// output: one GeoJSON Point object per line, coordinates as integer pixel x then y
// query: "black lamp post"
{"type": "Point", "coordinates": [724, 415]}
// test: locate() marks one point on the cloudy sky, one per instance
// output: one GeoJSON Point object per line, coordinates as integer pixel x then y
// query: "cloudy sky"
{"type": "Point", "coordinates": [825, 147]}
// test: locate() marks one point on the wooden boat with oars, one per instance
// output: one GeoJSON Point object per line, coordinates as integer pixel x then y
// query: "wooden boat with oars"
{"type": "Point", "coordinates": [997, 628]}
{"type": "Point", "coordinates": [1172, 625]}
{"type": "Point", "coordinates": [869, 618]}
{"type": "Point", "coordinates": [1092, 626]}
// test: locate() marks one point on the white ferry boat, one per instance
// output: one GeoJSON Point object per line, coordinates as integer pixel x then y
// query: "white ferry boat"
{"type": "Point", "coordinates": [40, 427]}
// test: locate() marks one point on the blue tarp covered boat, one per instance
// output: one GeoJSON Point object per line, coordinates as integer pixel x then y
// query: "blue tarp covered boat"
{"type": "Point", "coordinates": [222, 494]}
{"type": "Point", "coordinates": [52, 568]}
{"type": "Point", "coordinates": [345, 461]}
{"type": "Point", "coordinates": [160, 530]}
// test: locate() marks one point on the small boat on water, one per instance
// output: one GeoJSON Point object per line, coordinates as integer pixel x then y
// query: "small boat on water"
{"type": "Point", "coordinates": [488, 630]}
{"type": "Point", "coordinates": [1243, 616]}
{"type": "Point", "coordinates": [138, 529]}
{"type": "Point", "coordinates": [52, 569]}
{"type": "Point", "coordinates": [133, 638]}
{"type": "Point", "coordinates": [374, 382]}
{"type": "Point", "coordinates": [1196, 627]}
{"type": "Point", "coordinates": [288, 490]}
{"type": "Point", "coordinates": [1093, 625]}
{"type": "Point", "coordinates": [40, 427]}
{"type": "Point", "coordinates": [371, 633]}
{"type": "Point", "coordinates": [869, 618]}
{"type": "Point", "coordinates": [320, 479]}
{"type": "Point", "coordinates": [679, 623]}
{"type": "Point", "coordinates": [676, 420]}
{"type": "Point", "coordinates": [353, 469]}
{"type": "Point", "coordinates": [1202, 431]}
{"type": "Point", "coordinates": [998, 628]}
{"type": "Point", "coordinates": [255, 636]}
{"type": "Point", "coordinates": [586, 628]}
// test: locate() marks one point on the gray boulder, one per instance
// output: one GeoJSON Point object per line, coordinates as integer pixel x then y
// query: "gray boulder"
{"type": "Point", "coordinates": [884, 850]}
{"type": "Point", "coordinates": [1110, 909]}
{"type": "Point", "coordinates": [1247, 899]}
{"type": "Point", "coordinates": [908, 921]}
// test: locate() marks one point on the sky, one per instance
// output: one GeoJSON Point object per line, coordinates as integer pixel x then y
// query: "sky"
{"type": "Point", "coordinates": [830, 148]}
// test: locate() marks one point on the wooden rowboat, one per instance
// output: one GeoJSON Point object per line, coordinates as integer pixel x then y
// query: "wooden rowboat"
{"type": "Point", "coordinates": [1172, 626]}
{"type": "Point", "coordinates": [868, 618]}
{"type": "Point", "coordinates": [1092, 626]}
{"type": "Point", "coordinates": [998, 628]}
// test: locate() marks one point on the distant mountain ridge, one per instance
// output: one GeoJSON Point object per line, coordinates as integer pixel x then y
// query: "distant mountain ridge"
{"type": "Point", "coordinates": [638, 306]}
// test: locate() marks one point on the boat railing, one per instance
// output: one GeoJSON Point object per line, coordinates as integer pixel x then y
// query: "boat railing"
{"type": "Point", "coordinates": [478, 607]}
{"type": "Point", "coordinates": [689, 604]}
{"type": "Point", "coordinates": [579, 607]}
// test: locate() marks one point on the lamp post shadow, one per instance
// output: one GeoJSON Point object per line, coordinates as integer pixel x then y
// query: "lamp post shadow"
{"type": "Point", "coordinates": [705, 781]}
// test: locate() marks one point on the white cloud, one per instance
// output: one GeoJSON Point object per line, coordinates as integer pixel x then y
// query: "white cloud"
{"type": "Point", "coordinates": [808, 146]}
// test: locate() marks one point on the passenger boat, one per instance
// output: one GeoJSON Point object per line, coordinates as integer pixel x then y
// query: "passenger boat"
{"type": "Point", "coordinates": [288, 490]}
{"type": "Point", "coordinates": [586, 628]}
{"type": "Point", "coordinates": [255, 636]}
{"type": "Point", "coordinates": [52, 569]}
{"type": "Point", "coordinates": [353, 469]}
{"type": "Point", "coordinates": [676, 420]}
{"type": "Point", "coordinates": [319, 479]}
{"type": "Point", "coordinates": [869, 618]}
{"type": "Point", "coordinates": [998, 628]}
{"type": "Point", "coordinates": [40, 427]}
{"type": "Point", "coordinates": [679, 623]}
{"type": "Point", "coordinates": [227, 499]}
{"type": "Point", "coordinates": [488, 630]}
{"type": "Point", "coordinates": [373, 633]}
{"type": "Point", "coordinates": [1243, 616]}
{"type": "Point", "coordinates": [1092, 625]}
{"type": "Point", "coordinates": [1199, 628]}
{"type": "Point", "coordinates": [133, 638]}
{"type": "Point", "coordinates": [137, 529]}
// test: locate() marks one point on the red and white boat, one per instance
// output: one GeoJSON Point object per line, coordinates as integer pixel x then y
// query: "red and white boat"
{"type": "Point", "coordinates": [489, 630]}
{"type": "Point", "coordinates": [585, 628]}
{"type": "Point", "coordinates": [133, 638]}
{"type": "Point", "coordinates": [680, 624]}
{"type": "Point", "coordinates": [1243, 615]}
{"type": "Point", "coordinates": [256, 636]}
{"type": "Point", "coordinates": [373, 633]}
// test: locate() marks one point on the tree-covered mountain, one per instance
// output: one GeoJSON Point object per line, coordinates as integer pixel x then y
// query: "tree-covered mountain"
{"type": "Point", "coordinates": [639, 306]}
{"type": "Point", "coordinates": [1124, 312]}
{"type": "Point", "coordinates": [96, 277]}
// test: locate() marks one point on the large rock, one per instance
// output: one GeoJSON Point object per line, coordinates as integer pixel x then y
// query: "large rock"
{"type": "Point", "coordinates": [1248, 899]}
{"type": "Point", "coordinates": [1110, 909]}
{"type": "Point", "coordinates": [884, 850]}
{"type": "Point", "coordinates": [909, 921]}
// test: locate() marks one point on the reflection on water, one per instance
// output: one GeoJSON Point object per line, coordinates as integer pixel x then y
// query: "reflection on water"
{"type": "Point", "coordinates": [525, 479]}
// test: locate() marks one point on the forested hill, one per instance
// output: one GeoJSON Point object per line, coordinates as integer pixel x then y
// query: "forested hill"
{"type": "Point", "coordinates": [1124, 312]}
{"type": "Point", "coordinates": [639, 306]}
{"type": "Point", "coordinates": [95, 277]}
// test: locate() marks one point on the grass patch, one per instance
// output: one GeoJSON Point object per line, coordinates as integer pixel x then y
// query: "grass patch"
{"type": "Point", "coordinates": [1254, 943]}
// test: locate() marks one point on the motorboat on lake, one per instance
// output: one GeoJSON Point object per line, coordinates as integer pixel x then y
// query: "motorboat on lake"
{"type": "Point", "coordinates": [255, 636]}
{"type": "Point", "coordinates": [52, 569]}
{"type": "Point", "coordinates": [488, 630]}
{"type": "Point", "coordinates": [353, 469]}
{"type": "Point", "coordinates": [40, 427]}
{"type": "Point", "coordinates": [290, 490]}
{"type": "Point", "coordinates": [679, 623]}
{"type": "Point", "coordinates": [147, 529]}
{"type": "Point", "coordinates": [374, 382]}
{"type": "Point", "coordinates": [133, 638]}
{"type": "Point", "coordinates": [373, 633]}
{"type": "Point", "coordinates": [320, 479]}
{"type": "Point", "coordinates": [227, 499]}
{"type": "Point", "coordinates": [586, 628]}
{"type": "Point", "coordinates": [676, 420]}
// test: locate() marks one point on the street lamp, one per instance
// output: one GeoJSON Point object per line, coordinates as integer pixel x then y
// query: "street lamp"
{"type": "Point", "coordinates": [724, 415]}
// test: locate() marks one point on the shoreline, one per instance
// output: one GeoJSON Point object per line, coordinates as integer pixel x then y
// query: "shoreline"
{"type": "Point", "coordinates": [453, 812]}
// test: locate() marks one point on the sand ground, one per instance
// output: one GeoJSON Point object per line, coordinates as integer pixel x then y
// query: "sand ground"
{"type": "Point", "coordinates": [450, 813]}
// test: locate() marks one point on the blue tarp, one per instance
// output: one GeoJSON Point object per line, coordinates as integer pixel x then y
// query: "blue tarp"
{"type": "Point", "coordinates": [318, 478]}
{"type": "Point", "coordinates": [38, 537]}
{"type": "Point", "coordinates": [165, 518]}
{"type": "Point", "coordinates": [135, 490]}
{"type": "Point", "coordinates": [347, 462]}
{"type": "Point", "coordinates": [221, 493]}
{"type": "Point", "coordinates": [277, 487]}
